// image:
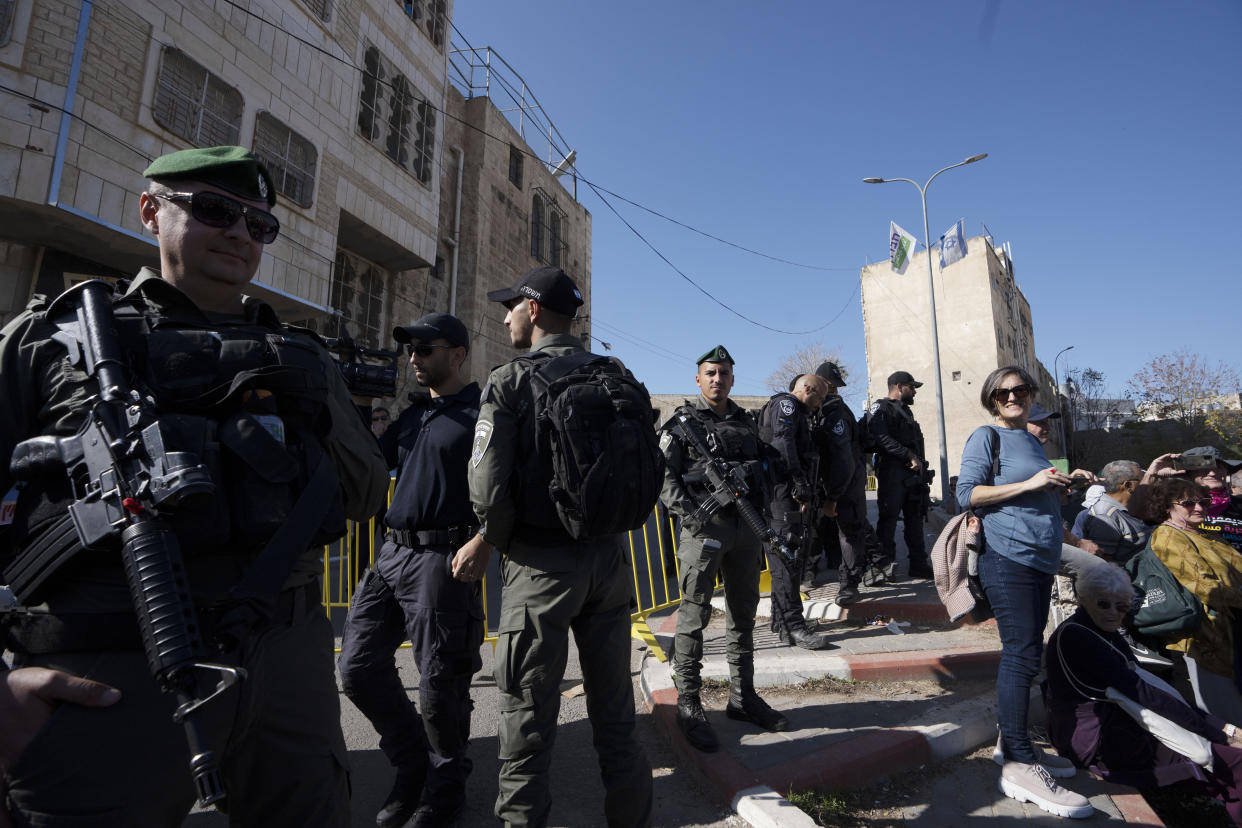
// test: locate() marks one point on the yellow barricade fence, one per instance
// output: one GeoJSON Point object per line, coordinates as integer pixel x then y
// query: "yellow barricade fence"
{"type": "Point", "coordinates": [654, 569]}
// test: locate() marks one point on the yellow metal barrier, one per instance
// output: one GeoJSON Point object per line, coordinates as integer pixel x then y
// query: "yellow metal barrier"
{"type": "Point", "coordinates": [344, 562]}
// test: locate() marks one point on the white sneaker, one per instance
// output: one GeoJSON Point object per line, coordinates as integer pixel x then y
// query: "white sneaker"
{"type": "Point", "coordinates": [1058, 766]}
{"type": "Point", "coordinates": [1034, 784]}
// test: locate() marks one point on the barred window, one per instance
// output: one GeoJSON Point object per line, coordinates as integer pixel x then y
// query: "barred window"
{"type": "Point", "coordinates": [536, 227]}
{"type": "Point", "coordinates": [7, 7]}
{"type": "Point", "coordinates": [289, 157]}
{"type": "Point", "coordinates": [358, 291]}
{"type": "Point", "coordinates": [515, 166]}
{"type": "Point", "coordinates": [558, 248]}
{"type": "Point", "coordinates": [554, 239]}
{"type": "Point", "coordinates": [194, 103]}
{"type": "Point", "coordinates": [321, 8]}
{"type": "Point", "coordinates": [430, 15]}
{"type": "Point", "coordinates": [388, 105]}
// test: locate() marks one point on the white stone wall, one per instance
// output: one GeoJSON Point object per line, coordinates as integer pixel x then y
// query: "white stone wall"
{"type": "Point", "coordinates": [974, 324]}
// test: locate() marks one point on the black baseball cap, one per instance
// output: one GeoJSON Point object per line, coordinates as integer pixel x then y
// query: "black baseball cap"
{"type": "Point", "coordinates": [831, 372]}
{"type": "Point", "coordinates": [549, 286]}
{"type": "Point", "coordinates": [1038, 412]}
{"type": "Point", "coordinates": [434, 326]}
{"type": "Point", "coordinates": [902, 378]}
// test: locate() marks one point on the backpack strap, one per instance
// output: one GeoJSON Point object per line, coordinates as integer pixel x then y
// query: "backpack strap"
{"type": "Point", "coordinates": [553, 368]}
{"type": "Point", "coordinates": [995, 442]}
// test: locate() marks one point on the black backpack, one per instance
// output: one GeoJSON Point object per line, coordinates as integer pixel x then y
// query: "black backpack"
{"type": "Point", "coordinates": [595, 422]}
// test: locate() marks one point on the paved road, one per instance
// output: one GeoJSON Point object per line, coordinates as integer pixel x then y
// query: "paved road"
{"type": "Point", "coordinates": [576, 791]}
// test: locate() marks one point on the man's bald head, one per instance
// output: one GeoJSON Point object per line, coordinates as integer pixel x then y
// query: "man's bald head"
{"type": "Point", "coordinates": [811, 390]}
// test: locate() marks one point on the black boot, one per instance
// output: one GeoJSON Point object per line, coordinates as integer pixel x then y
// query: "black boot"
{"type": "Point", "coordinates": [745, 705]}
{"type": "Point", "coordinates": [807, 640]}
{"type": "Point", "coordinates": [407, 790]}
{"type": "Point", "coordinates": [693, 723]}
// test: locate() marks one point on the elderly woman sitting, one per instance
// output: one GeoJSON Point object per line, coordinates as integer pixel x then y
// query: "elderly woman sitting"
{"type": "Point", "coordinates": [1085, 658]}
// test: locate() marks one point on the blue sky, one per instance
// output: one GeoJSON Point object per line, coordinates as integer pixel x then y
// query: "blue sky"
{"type": "Point", "coordinates": [1112, 128]}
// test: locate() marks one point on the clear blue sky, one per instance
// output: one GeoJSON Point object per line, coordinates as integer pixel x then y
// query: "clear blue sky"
{"type": "Point", "coordinates": [1114, 168]}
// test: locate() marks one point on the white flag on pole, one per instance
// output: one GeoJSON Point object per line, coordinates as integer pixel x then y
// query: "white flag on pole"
{"type": "Point", "coordinates": [953, 244]}
{"type": "Point", "coordinates": [900, 247]}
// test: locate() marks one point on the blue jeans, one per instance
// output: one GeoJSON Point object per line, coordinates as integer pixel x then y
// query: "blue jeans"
{"type": "Point", "coordinates": [1019, 597]}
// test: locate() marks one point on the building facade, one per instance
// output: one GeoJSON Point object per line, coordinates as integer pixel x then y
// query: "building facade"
{"type": "Point", "coordinates": [983, 322]}
{"type": "Point", "coordinates": [399, 194]}
{"type": "Point", "coordinates": [341, 98]}
{"type": "Point", "coordinates": [502, 212]}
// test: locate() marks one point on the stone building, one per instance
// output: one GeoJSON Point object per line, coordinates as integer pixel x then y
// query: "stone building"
{"type": "Point", "coordinates": [983, 322]}
{"type": "Point", "coordinates": [504, 209]}
{"type": "Point", "coordinates": [342, 98]}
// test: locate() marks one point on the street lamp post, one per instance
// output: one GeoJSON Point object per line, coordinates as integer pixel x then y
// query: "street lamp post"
{"type": "Point", "coordinates": [1056, 380]}
{"type": "Point", "coordinates": [931, 296]}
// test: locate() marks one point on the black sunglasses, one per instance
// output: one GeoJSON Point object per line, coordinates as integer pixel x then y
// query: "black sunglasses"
{"type": "Point", "coordinates": [1020, 393]}
{"type": "Point", "coordinates": [422, 349]}
{"type": "Point", "coordinates": [1194, 501]}
{"type": "Point", "coordinates": [1120, 606]}
{"type": "Point", "coordinates": [215, 210]}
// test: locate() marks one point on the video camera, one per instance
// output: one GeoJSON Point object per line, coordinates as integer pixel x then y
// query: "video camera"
{"type": "Point", "coordinates": [363, 378]}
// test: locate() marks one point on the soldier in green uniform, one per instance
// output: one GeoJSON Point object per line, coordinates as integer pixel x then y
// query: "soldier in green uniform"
{"type": "Point", "coordinates": [88, 737]}
{"type": "Point", "coordinates": [720, 542]}
{"type": "Point", "coordinates": [552, 583]}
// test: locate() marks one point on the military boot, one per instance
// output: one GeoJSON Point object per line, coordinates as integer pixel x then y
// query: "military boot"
{"type": "Point", "coordinates": [745, 705]}
{"type": "Point", "coordinates": [402, 801]}
{"type": "Point", "coordinates": [693, 722]}
{"type": "Point", "coordinates": [807, 640]}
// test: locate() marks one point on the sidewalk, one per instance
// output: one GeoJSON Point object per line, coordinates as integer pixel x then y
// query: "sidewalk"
{"type": "Point", "coordinates": [853, 740]}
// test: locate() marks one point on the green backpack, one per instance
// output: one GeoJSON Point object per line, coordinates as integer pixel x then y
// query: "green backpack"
{"type": "Point", "coordinates": [1165, 608]}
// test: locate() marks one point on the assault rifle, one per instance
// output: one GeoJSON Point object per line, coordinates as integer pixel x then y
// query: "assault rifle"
{"type": "Point", "coordinates": [808, 518]}
{"type": "Point", "coordinates": [726, 485]}
{"type": "Point", "coordinates": [123, 481]}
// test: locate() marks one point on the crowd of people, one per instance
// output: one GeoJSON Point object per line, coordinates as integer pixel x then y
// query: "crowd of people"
{"type": "Point", "coordinates": [179, 456]}
{"type": "Point", "coordinates": [1101, 702]}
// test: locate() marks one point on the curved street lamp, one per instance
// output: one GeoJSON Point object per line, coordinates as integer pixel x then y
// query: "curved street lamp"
{"type": "Point", "coordinates": [931, 295]}
{"type": "Point", "coordinates": [1056, 380]}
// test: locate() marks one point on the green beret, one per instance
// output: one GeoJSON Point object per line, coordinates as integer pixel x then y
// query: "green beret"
{"type": "Point", "coordinates": [717, 354]}
{"type": "Point", "coordinates": [234, 169]}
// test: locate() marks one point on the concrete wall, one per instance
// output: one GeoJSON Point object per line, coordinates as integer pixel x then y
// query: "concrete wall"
{"type": "Point", "coordinates": [979, 311]}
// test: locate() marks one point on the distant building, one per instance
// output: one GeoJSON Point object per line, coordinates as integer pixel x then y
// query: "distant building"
{"type": "Point", "coordinates": [983, 321]}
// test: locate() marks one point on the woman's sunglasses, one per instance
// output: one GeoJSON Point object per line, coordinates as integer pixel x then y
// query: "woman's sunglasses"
{"type": "Point", "coordinates": [1194, 501]}
{"type": "Point", "coordinates": [215, 210]}
{"type": "Point", "coordinates": [1120, 606]}
{"type": "Point", "coordinates": [1019, 392]}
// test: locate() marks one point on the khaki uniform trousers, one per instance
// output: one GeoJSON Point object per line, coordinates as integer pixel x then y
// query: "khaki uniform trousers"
{"type": "Point", "coordinates": [549, 591]}
{"type": "Point", "coordinates": [737, 559]}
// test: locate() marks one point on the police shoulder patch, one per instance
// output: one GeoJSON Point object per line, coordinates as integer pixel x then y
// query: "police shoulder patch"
{"type": "Point", "coordinates": [874, 408]}
{"type": "Point", "coordinates": [839, 428]}
{"type": "Point", "coordinates": [666, 440]}
{"type": "Point", "coordinates": [482, 437]}
{"type": "Point", "coordinates": [787, 407]}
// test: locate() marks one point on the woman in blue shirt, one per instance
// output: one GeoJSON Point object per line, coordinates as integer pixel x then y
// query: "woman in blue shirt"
{"type": "Point", "coordinates": [1022, 530]}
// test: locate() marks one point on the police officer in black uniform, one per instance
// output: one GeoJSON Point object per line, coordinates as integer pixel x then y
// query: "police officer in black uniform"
{"type": "Point", "coordinates": [411, 593]}
{"type": "Point", "coordinates": [784, 425]}
{"type": "Point", "coordinates": [844, 475]}
{"type": "Point", "coordinates": [265, 410]}
{"type": "Point", "coordinates": [717, 542]}
{"type": "Point", "coordinates": [900, 471]}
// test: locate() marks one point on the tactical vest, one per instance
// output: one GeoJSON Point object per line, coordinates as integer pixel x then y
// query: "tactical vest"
{"type": "Point", "coordinates": [245, 399]}
{"type": "Point", "coordinates": [732, 440]}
